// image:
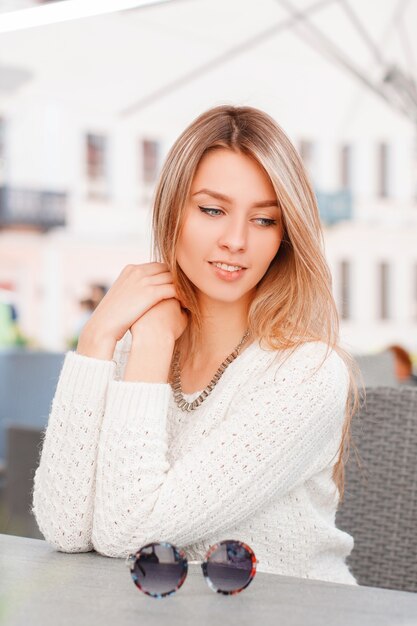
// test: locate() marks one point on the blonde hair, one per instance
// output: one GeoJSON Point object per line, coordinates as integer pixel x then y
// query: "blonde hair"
{"type": "Point", "coordinates": [293, 302]}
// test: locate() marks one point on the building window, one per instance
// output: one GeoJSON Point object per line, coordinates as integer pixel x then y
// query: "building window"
{"type": "Point", "coordinates": [384, 277]}
{"type": "Point", "coordinates": [345, 290]}
{"type": "Point", "coordinates": [96, 156]}
{"type": "Point", "coordinates": [346, 166]}
{"type": "Point", "coordinates": [150, 160]}
{"type": "Point", "coordinates": [96, 166]}
{"type": "Point", "coordinates": [382, 170]}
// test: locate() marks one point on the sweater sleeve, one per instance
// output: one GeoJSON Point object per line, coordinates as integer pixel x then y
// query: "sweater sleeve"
{"type": "Point", "coordinates": [64, 482]}
{"type": "Point", "coordinates": [279, 432]}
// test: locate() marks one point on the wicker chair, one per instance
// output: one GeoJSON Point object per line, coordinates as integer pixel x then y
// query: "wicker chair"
{"type": "Point", "coordinates": [380, 505]}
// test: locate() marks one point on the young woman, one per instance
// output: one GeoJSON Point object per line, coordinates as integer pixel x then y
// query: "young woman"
{"type": "Point", "coordinates": [208, 398]}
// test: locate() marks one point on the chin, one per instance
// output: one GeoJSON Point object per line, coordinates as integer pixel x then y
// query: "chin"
{"type": "Point", "coordinates": [225, 297]}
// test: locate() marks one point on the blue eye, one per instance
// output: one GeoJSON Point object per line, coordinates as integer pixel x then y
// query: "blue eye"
{"type": "Point", "coordinates": [207, 209]}
{"type": "Point", "coordinates": [268, 221]}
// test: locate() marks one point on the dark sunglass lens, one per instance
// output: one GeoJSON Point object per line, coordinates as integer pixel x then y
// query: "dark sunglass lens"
{"type": "Point", "coordinates": [229, 567]}
{"type": "Point", "coordinates": [159, 569]}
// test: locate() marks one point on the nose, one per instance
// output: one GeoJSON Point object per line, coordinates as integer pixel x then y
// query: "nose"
{"type": "Point", "coordinates": [234, 235]}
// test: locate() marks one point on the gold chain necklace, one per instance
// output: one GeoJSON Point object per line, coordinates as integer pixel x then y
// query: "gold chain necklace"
{"type": "Point", "coordinates": [176, 384]}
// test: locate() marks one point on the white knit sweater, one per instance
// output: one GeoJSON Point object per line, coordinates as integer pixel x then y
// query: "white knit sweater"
{"type": "Point", "coordinates": [122, 465]}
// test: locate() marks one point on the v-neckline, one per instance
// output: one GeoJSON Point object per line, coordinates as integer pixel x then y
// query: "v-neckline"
{"type": "Point", "coordinates": [238, 358]}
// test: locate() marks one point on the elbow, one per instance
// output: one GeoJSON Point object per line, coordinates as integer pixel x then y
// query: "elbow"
{"type": "Point", "coordinates": [64, 541]}
{"type": "Point", "coordinates": [108, 547]}
{"type": "Point", "coordinates": [64, 537]}
{"type": "Point", "coordinates": [109, 542]}
{"type": "Point", "coordinates": [69, 544]}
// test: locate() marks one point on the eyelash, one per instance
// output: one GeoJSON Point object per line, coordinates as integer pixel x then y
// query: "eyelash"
{"type": "Point", "coordinates": [265, 219]}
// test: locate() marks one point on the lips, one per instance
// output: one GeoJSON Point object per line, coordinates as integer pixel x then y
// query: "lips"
{"type": "Point", "coordinates": [227, 275]}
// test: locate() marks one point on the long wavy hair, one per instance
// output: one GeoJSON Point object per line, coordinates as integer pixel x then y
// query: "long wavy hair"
{"type": "Point", "coordinates": [293, 302]}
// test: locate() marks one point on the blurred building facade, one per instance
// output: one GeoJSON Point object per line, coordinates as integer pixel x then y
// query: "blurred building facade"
{"type": "Point", "coordinates": [76, 192]}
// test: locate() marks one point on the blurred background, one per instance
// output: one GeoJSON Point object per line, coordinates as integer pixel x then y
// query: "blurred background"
{"type": "Point", "coordinates": [92, 96]}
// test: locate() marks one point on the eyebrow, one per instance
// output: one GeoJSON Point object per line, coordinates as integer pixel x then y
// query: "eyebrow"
{"type": "Point", "coordinates": [221, 196]}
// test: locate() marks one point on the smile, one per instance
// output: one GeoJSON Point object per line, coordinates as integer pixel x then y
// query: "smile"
{"type": "Point", "coordinates": [228, 268]}
{"type": "Point", "coordinates": [227, 272]}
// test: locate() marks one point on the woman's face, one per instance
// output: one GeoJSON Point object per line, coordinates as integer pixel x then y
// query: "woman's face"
{"type": "Point", "coordinates": [231, 216]}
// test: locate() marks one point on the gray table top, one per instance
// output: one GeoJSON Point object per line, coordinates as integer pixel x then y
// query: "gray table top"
{"type": "Point", "coordinates": [40, 586]}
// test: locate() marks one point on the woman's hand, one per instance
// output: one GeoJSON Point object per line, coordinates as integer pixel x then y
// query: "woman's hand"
{"type": "Point", "coordinates": [153, 338]}
{"type": "Point", "coordinates": [136, 290]}
{"type": "Point", "coordinates": [165, 319]}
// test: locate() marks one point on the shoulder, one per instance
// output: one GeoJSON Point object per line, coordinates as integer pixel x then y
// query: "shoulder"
{"type": "Point", "coordinates": [310, 381]}
{"type": "Point", "coordinates": [316, 352]}
{"type": "Point", "coordinates": [311, 361]}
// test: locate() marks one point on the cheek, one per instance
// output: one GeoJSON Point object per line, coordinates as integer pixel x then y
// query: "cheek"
{"type": "Point", "coordinates": [189, 243]}
{"type": "Point", "coordinates": [267, 249]}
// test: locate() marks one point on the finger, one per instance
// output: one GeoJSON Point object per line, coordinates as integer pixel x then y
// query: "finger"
{"type": "Point", "coordinates": [166, 291]}
{"type": "Point", "coordinates": [159, 279]}
{"type": "Point", "coordinates": [144, 269]}
{"type": "Point", "coordinates": [152, 269]}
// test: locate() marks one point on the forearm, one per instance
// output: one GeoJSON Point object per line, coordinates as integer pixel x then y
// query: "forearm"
{"type": "Point", "coordinates": [63, 488]}
{"type": "Point", "coordinates": [149, 359]}
{"type": "Point", "coordinates": [145, 493]}
{"type": "Point", "coordinates": [92, 343]}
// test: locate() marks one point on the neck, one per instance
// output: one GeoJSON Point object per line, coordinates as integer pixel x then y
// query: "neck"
{"type": "Point", "coordinates": [223, 324]}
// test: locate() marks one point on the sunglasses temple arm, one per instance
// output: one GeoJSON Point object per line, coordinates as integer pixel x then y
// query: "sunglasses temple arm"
{"type": "Point", "coordinates": [131, 559]}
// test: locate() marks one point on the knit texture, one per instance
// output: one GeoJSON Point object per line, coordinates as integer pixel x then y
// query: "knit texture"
{"type": "Point", "coordinates": [121, 465]}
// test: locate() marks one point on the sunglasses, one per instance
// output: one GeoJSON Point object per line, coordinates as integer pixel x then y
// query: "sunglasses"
{"type": "Point", "coordinates": [159, 569]}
